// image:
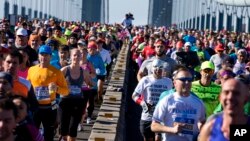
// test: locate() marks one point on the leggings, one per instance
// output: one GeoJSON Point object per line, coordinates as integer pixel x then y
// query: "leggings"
{"type": "Point", "coordinates": [71, 114]}
{"type": "Point", "coordinates": [89, 96]}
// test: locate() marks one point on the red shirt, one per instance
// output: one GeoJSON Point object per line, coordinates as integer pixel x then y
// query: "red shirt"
{"type": "Point", "coordinates": [140, 38]}
{"type": "Point", "coordinates": [148, 52]}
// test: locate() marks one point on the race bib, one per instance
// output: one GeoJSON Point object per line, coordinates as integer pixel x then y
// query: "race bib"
{"type": "Point", "coordinates": [188, 127]}
{"type": "Point", "coordinates": [42, 93]}
{"type": "Point", "coordinates": [75, 90]}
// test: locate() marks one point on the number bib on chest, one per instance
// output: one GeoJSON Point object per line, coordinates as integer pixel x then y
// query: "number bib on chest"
{"type": "Point", "coordinates": [42, 93]}
{"type": "Point", "coordinates": [75, 90]}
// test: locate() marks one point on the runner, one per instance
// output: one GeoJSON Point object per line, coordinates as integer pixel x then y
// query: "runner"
{"type": "Point", "coordinates": [233, 98]}
{"type": "Point", "coordinates": [47, 81]}
{"type": "Point", "coordinates": [180, 115]}
{"type": "Point", "coordinates": [147, 94]}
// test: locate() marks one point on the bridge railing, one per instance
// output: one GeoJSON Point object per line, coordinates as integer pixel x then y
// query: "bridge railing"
{"type": "Point", "coordinates": [110, 122]}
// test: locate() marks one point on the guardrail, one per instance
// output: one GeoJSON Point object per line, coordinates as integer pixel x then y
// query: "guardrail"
{"type": "Point", "coordinates": [110, 123]}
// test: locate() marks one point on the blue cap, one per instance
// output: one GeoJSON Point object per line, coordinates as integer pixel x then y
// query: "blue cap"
{"type": "Point", "coordinates": [49, 29]}
{"type": "Point", "coordinates": [51, 42]}
{"type": "Point", "coordinates": [45, 49]}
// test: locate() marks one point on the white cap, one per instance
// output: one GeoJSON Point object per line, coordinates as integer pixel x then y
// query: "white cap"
{"type": "Point", "coordinates": [157, 63]}
{"type": "Point", "coordinates": [81, 42]}
{"type": "Point", "coordinates": [92, 38]}
{"type": "Point", "coordinates": [22, 32]}
{"type": "Point", "coordinates": [187, 44]}
{"type": "Point", "coordinates": [46, 22]}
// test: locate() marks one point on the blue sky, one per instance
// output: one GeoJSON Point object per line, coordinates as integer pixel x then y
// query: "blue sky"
{"type": "Point", "coordinates": [118, 9]}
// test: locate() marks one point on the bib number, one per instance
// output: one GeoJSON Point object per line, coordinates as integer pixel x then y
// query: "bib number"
{"type": "Point", "coordinates": [42, 93]}
{"type": "Point", "coordinates": [75, 90]}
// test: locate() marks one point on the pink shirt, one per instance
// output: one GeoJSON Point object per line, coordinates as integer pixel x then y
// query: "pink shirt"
{"type": "Point", "coordinates": [23, 73]}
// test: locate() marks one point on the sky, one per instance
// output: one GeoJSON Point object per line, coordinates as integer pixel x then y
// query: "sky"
{"type": "Point", "coordinates": [118, 9]}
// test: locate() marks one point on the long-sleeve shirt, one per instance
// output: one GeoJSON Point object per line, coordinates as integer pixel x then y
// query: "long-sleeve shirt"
{"type": "Point", "coordinates": [40, 79]}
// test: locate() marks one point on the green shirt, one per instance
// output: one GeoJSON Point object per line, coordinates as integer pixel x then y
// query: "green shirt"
{"type": "Point", "coordinates": [219, 108]}
{"type": "Point", "coordinates": [208, 94]}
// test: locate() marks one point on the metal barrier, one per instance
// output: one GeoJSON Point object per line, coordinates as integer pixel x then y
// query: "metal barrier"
{"type": "Point", "coordinates": [110, 122]}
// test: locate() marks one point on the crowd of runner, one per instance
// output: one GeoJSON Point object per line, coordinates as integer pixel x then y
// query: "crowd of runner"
{"type": "Point", "coordinates": [189, 77]}
{"type": "Point", "coordinates": [52, 73]}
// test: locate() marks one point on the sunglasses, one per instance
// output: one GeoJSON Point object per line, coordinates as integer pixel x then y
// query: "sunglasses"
{"type": "Point", "coordinates": [158, 66]}
{"type": "Point", "coordinates": [185, 79]}
{"type": "Point", "coordinates": [159, 46]}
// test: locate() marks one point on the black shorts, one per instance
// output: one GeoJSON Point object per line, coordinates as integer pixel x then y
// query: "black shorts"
{"type": "Point", "coordinates": [146, 129]}
{"type": "Point", "coordinates": [100, 77]}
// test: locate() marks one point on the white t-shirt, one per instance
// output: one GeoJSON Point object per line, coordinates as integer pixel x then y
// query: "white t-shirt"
{"type": "Point", "coordinates": [150, 89]}
{"type": "Point", "coordinates": [105, 56]}
{"type": "Point", "coordinates": [127, 22]}
{"type": "Point", "coordinates": [168, 66]}
{"type": "Point", "coordinates": [174, 108]}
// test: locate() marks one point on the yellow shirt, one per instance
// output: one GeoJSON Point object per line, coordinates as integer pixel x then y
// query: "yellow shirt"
{"type": "Point", "coordinates": [61, 40]}
{"type": "Point", "coordinates": [40, 79]}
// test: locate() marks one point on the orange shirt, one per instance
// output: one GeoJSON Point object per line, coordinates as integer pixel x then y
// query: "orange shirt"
{"type": "Point", "coordinates": [40, 79]}
{"type": "Point", "coordinates": [21, 87]}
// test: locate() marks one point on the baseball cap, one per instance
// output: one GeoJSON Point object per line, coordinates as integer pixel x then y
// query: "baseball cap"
{"type": "Point", "coordinates": [157, 63]}
{"type": "Point", "coordinates": [92, 38]}
{"type": "Point", "coordinates": [159, 42]}
{"type": "Point", "coordinates": [92, 44]}
{"type": "Point", "coordinates": [22, 32]}
{"type": "Point", "coordinates": [51, 42]}
{"type": "Point", "coordinates": [187, 44]}
{"type": "Point", "coordinates": [49, 29]}
{"type": "Point", "coordinates": [81, 42]}
{"type": "Point", "coordinates": [45, 49]}
{"type": "Point", "coordinates": [46, 22]}
{"type": "Point", "coordinates": [219, 47]}
{"type": "Point", "coordinates": [179, 44]}
{"type": "Point", "coordinates": [6, 76]}
{"type": "Point", "coordinates": [207, 65]}
{"type": "Point", "coordinates": [67, 32]}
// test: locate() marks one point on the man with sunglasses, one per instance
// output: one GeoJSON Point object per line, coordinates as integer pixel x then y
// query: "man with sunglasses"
{"type": "Point", "coordinates": [205, 89]}
{"type": "Point", "coordinates": [147, 94]}
{"type": "Point", "coordinates": [160, 53]}
{"type": "Point", "coordinates": [179, 115]}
